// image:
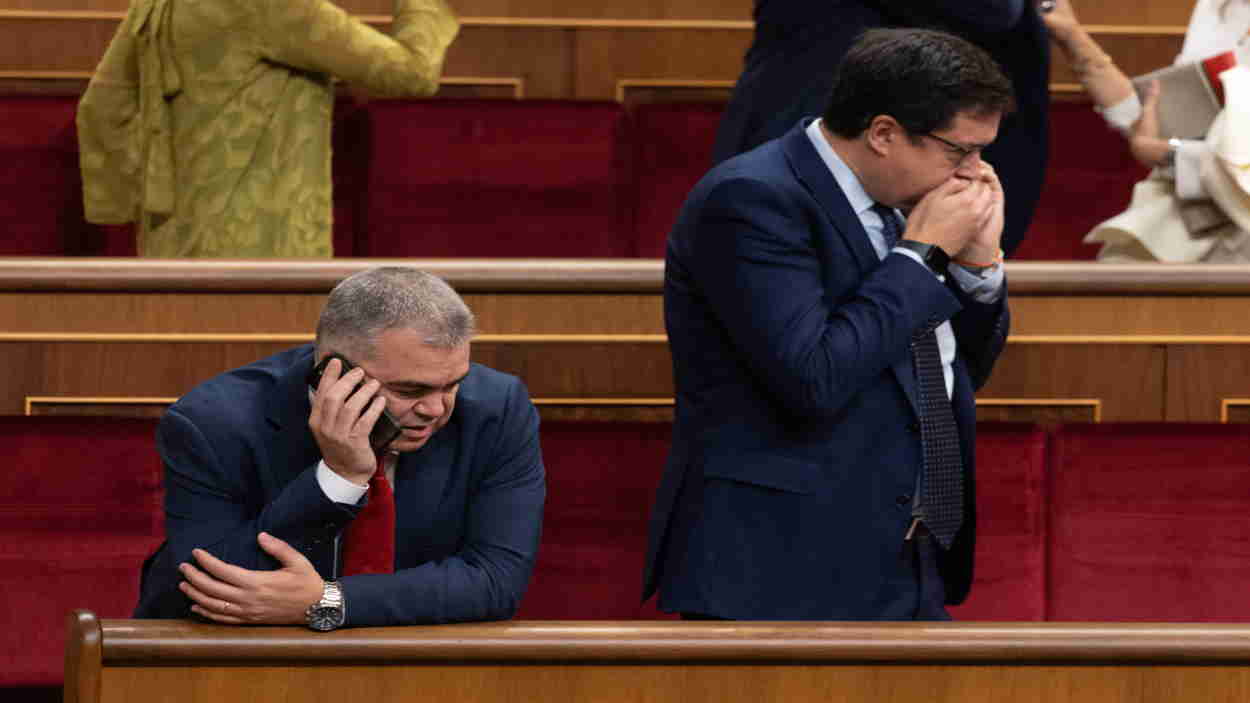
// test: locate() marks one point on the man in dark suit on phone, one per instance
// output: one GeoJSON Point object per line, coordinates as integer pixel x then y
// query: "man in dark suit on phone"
{"type": "Point", "coordinates": [825, 352]}
{"type": "Point", "coordinates": [288, 500]}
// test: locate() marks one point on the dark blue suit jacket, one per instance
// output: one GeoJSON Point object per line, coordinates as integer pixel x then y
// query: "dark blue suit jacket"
{"type": "Point", "coordinates": [796, 448]}
{"type": "Point", "coordinates": [798, 44]}
{"type": "Point", "coordinates": [239, 459]}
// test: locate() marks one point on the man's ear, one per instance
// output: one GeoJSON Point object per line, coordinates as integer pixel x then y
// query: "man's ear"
{"type": "Point", "coordinates": [883, 134]}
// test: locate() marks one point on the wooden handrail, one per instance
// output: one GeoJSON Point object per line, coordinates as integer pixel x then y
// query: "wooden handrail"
{"type": "Point", "coordinates": [170, 642]}
{"type": "Point", "coordinates": [551, 275]}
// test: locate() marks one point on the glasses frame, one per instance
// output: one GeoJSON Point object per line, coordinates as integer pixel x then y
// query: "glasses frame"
{"type": "Point", "coordinates": [964, 152]}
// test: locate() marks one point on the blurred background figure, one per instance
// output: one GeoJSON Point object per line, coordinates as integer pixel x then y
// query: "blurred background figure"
{"type": "Point", "coordinates": [1173, 216]}
{"type": "Point", "coordinates": [207, 123]}
{"type": "Point", "coordinates": [788, 71]}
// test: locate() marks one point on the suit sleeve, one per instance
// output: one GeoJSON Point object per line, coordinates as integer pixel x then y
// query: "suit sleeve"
{"type": "Point", "coordinates": [317, 35]}
{"type": "Point", "coordinates": [486, 578]}
{"type": "Point", "coordinates": [210, 504]}
{"type": "Point", "coordinates": [957, 15]}
{"type": "Point", "coordinates": [981, 332]}
{"type": "Point", "coordinates": [811, 342]}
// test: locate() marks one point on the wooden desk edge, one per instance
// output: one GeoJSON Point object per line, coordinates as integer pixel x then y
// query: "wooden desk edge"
{"type": "Point", "coordinates": [139, 642]}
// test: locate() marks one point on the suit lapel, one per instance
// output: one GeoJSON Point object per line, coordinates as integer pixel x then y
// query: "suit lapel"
{"type": "Point", "coordinates": [812, 172]}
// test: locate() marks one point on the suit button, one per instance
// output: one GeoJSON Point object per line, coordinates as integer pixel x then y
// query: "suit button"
{"type": "Point", "coordinates": [903, 500]}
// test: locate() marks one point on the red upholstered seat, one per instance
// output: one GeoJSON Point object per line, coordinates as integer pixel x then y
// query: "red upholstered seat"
{"type": "Point", "coordinates": [674, 150]}
{"type": "Point", "coordinates": [1010, 574]}
{"type": "Point", "coordinates": [1089, 178]}
{"type": "Point", "coordinates": [1150, 522]}
{"type": "Point", "coordinates": [491, 178]}
{"type": "Point", "coordinates": [601, 481]}
{"type": "Point", "coordinates": [79, 511]}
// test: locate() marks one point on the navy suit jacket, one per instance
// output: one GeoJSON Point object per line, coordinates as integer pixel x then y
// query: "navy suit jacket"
{"type": "Point", "coordinates": [798, 44]}
{"type": "Point", "coordinates": [239, 459]}
{"type": "Point", "coordinates": [796, 447]}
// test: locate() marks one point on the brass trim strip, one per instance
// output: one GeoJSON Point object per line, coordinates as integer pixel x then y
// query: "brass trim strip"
{"type": "Point", "coordinates": [1095, 403]}
{"type": "Point", "coordinates": [1128, 339]}
{"type": "Point", "coordinates": [509, 338]}
{"type": "Point", "coordinates": [191, 338]}
{"type": "Point", "coordinates": [33, 400]}
{"type": "Point", "coordinates": [604, 402]}
{"type": "Point", "coordinates": [516, 83]}
{"type": "Point", "coordinates": [1228, 403]}
{"type": "Point", "coordinates": [569, 22]}
{"type": "Point", "coordinates": [625, 84]}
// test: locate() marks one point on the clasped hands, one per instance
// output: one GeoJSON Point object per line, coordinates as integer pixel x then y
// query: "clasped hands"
{"type": "Point", "coordinates": [232, 595]}
{"type": "Point", "coordinates": [963, 216]}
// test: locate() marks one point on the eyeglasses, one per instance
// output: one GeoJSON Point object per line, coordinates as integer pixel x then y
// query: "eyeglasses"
{"type": "Point", "coordinates": [965, 152]}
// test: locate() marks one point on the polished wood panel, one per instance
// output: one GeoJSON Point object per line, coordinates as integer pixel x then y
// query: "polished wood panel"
{"type": "Point", "coordinates": [665, 661]}
{"type": "Point", "coordinates": [1090, 342]}
{"type": "Point", "coordinates": [1202, 377]}
{"type": "Point", "coordinates": [1128, 379]}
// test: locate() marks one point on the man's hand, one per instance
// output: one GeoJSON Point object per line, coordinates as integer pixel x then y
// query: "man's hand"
{"type": "Point", "coordinates": [236, 596]}
{"type": "Point", "coordinates": [341, 418]}
{"type": "Point", "coordinates": [986, 240]}
{"type": "Point", "coordinates": [1143, 139]}
{"type": "Point", "coordinates": [951, 214]}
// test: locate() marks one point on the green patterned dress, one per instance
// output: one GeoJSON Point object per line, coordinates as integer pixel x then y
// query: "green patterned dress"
{"type": "Point", "coordinates": [207, 122]}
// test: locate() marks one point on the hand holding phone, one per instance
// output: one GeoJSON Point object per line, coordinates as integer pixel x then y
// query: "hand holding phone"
{"type": "Point", "coordinates": [343, 411]}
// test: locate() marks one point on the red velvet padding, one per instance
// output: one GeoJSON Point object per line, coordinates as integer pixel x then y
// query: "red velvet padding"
{"type": "Point", "coordinates": [674, 143]}
{"type": "Point", "coordinates": [1009, 580]}
{"type": "Point", "coordinates": [497, 178]}
{"type": "Point", "coordinates": [601, 481]}
{"type": "Point", "coordinates": [79, 511]}
{"type": "Point", "coordinates": [1089, 178]}
{"type": "Point", "coordinates": [1150, 522]}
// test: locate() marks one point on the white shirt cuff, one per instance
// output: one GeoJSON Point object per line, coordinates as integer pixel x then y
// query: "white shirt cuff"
{"type": "Point", "coordinates": [1188, 167]}
{"type": "Point", "coordinates": [983, 287]}
{"type": "Point", "coordinates": [337, 488]}
{"type": "Point", "coordinates": [1123, 114]}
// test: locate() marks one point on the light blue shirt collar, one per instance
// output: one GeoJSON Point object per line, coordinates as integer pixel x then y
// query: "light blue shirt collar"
{"type": "Point", "coordinates": [854, 191]}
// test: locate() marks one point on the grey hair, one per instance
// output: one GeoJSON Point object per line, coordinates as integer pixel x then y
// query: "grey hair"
{"type": "Point", "coordinates": [369, 302]}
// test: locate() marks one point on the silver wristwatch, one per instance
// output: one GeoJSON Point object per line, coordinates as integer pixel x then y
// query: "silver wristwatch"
{"type": "Point", "coordinates": [330, 612]}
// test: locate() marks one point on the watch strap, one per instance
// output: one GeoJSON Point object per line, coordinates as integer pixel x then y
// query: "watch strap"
{"type": "Point", "coordinates": [932, 255]}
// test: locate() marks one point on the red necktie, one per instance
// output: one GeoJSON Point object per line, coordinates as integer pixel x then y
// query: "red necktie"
{"type": "Point", "coordinates": [369, 547]}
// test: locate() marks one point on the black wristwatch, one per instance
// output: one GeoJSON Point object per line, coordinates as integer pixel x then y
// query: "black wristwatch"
{"type": "Point", "coordinates": [931, 254]}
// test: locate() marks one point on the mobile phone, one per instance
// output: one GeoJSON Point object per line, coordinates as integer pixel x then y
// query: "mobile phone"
{"type": "Point", "coordinates": [385, 430]}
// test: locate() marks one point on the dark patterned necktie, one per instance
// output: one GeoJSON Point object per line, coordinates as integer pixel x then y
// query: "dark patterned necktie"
{"type": "Point", "coordinates": [942, 480]}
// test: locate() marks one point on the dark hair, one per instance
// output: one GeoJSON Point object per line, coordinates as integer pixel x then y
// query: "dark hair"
{"type": "Point", "coordinates": [922, 78]}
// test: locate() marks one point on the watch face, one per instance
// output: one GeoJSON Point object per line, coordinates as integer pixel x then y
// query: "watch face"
{"type": "Point", "coordinates": [324, 619]}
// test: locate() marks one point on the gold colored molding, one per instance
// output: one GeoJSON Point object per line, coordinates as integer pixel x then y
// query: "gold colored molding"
{"type": "Point", "coordinates": [1228, 404]}
{"type": "Point", "coordinates": [1094, 403]}
{"type": "Point", "coordinates": [574, 22]}
{"type": "Point", "coordinates": [33, 400]}
{"type": "Point", "coordinates": [517, 84]}
{"type": "Point", "coordinates": [300, 337]}
{"type": "Point", "coordinates": [217, 337]}
{"type": "Point", "coordinates": [1128, 339]}
{"type": "Point", "coordinates": [623, 85]}
{"type": "Point", "coordinates": [605, 402]}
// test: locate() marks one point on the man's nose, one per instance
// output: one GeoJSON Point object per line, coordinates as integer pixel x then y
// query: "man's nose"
{"type": "Point", "coordinates": [970, 166]}
{"type": "Point", "coordinates": [430, 407]}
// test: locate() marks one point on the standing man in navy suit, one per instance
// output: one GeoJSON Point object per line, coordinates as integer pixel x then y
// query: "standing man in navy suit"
{"type": "Point", "coordinates": [825, 352]}
{"type": "Point", "coordinates": [269, 471]}
{"type": "Point", "coordinates": [788, 70]}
